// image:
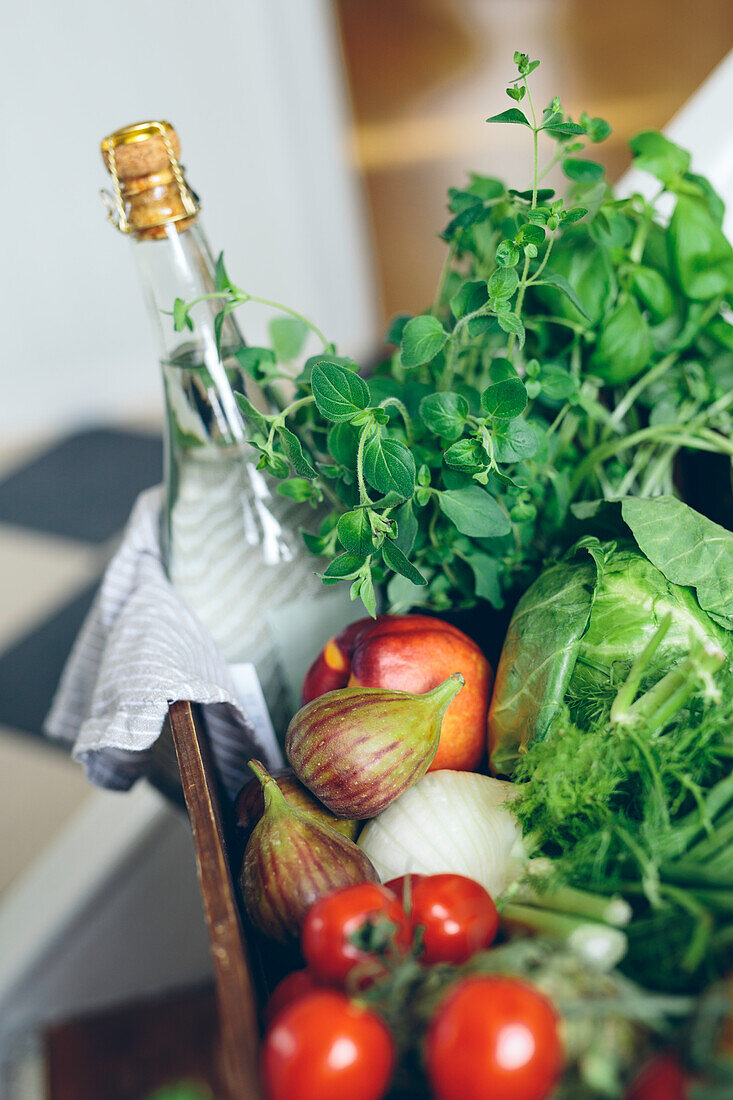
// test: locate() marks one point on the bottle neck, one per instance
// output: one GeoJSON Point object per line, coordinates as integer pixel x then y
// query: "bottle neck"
{"type": "Point", "coordinates": [178, 264]}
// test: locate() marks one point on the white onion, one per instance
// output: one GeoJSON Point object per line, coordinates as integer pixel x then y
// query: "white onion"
{"type": "Point", "coordinates": [449, 821]}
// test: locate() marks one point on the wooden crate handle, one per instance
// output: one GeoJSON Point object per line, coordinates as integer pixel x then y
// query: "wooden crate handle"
{"type": "Point", "coordinates": [234, 984]}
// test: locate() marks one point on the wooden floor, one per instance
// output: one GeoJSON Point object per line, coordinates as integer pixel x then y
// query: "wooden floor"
{"type": "Point", "coordinates": [425, 74]}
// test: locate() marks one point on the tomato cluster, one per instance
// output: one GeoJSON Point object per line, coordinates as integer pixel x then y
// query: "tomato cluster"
{"type": "Point", "coordinates": [490, 1035]}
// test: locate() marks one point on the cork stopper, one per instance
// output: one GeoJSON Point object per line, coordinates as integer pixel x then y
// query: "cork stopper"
{"type": "Point", "coordinates": [150, 192]}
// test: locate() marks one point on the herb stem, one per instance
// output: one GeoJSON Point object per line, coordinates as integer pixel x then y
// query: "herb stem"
{"type": "Point", "coordinates": [444, 273]}
{"type": "Point", "coordinates": [364, 497]}
{"type": "Point", "coordinates": [638, 388]}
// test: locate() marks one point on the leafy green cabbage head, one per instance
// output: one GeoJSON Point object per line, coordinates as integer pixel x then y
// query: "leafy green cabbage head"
{"type": "Point", "coordinates": [575, 634]}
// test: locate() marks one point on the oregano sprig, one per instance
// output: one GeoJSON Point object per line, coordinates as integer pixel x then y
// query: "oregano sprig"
{"type": "Point", "coordinates": [575, 346]}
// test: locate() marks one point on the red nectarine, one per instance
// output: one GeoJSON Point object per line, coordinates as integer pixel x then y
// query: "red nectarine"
{"type": "Point", "coordinates": [412, 653]}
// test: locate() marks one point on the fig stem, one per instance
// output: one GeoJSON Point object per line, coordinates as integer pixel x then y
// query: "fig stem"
{"type": "Point", "coordinates": [447, 691]}
{"type": "Point", "coordinates": [272, 793]}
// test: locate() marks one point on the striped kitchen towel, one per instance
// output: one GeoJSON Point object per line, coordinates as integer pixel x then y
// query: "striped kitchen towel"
{"type": "Point", "coordinates": [140, 649]}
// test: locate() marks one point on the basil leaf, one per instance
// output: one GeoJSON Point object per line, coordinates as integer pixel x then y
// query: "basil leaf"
{"type": "Point", "coordinates": [588, 270]}
{"type": "Point", "coordinates": [396, 560]}
{"type": "Point", "coordinates": [355, 532]}
{"type": "Point", "coordinates": [474, 512]}
{"type": "Point", "coordinates": [654, 293]}
{"type": "Point", "coordinates": [513, 115]}
{"type": "Point", "coordinates": [422, 339]}
{"type": "Point", "coordinates": [340, 394]}
{"type": "Point", "coordinates": [505, 399]}
{"type": "Point", "coordinates": [288, 335]}
{"type": "Point", "coordinates": [444, 414]}
{"type": "Point", "coordinates": [584, 171]}
{"type": "Point", "coordinates": [624, 347]}
{"type": "Point", "coordinates": [700, 254]}
{"type": "Point", "coordinates": [559, 282]}
{"type": "Point", "coordinates": [389, 466]}
{"type": "Point", "coordinates": [294, 452]}
{"type": "Point", "coordinates": [656, 154]}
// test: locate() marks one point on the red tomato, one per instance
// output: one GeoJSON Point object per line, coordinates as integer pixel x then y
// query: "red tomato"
{"type": "Point", "coordinates": [331, 922]}
{"type": "Point", "coordinates": [662, 1078]}
{"type": "Point", "coordinates": [325, 1047]}
{"type": "Point", "coordinates": [399, 887]}
{"type": "Point", "coordinates": [290, 989]}
{"type": "Point", "coordinates": [457, 915]}
{"type": "Point", "coordinates": [494, 1037]}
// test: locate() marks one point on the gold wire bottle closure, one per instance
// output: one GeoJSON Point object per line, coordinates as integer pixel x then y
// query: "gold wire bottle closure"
{"type": "Point", "coordinates": [150, 191]}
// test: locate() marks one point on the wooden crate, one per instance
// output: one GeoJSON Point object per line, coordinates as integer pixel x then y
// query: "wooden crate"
{"type": "Point", "coordinates": [236, 957]}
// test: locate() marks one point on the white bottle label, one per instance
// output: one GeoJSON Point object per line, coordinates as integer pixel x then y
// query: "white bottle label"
{"type": "Point", "coordinates": [252, 701]}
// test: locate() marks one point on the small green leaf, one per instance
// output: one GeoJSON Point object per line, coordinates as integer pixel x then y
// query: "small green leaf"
{"type": "Point", "coordinates": [389, 465]}
{"type": "Point", "coordinates": [221, 279]}
{"type": "Point", "coordinates": [509, 322]}
{"type": "Point", "coordinates": [467, 455]}
{"type": "Point", "coordinates": [516, 440]}
{"type": "Point", "coordinates": [507, 254]}
{"type": "Point", "coordinates": [294, 452]}
{"type": "Point", "coordinates": [512, 115]}
{"type": "Point", "coordinates": [473, 512]}
{"type": "Point", "coordinates": [343, 442]}
{"type": "Point", "coordinates": [407, 527]}
{"type": "Point", "coordinates": [367, 594]}
{"type": "Point", "coordinates": [253, 416]}
{"type": "Point", "coordinates": [583, 171]}
{"type": "Point", "coordinates": [503, 282]}
{"type": "Point", "coordinates": [574, 215]}
{"type": "Point", "coordinates": [256, 362]}
{"type": "Point", "coordinates": [422, 339]}
{"type": "Point", "coordinates": [444, 414]}
{"type": "Point", "coordinates": [597, 129]}
{"type": "Point", "coordinates": [288, 336]}
{"type": "Point", "coordinates": [472, 296]}
{"type": "Point", "coordinates": [355, 532]}
{"type": "Point", "coordinates": [562, 129]}
{"type": "Point", "coordinates": [396, 328]}
{"type": "Point", "coordinates": [556, 382]}
{"type": "Point", "coordinates": [468, 217]}
{"type": "Point", "coordinates": [394, 559]}
{"type": "Point", "coordinates": [531, 234]}
{"type": "Point", "coordinates": [486, 577]}
{"type": "Point", "coordinates": [181, 317]}
{"type": "Point", "coordinates": [552, 278]}
{"type": "Point", "coordinates": [340, 394]}
{"type": "Point", "coordinates": [505, 399]}
{"type": "Point", "coordinates": [345, 566]}
{"type": "Point", "coordinates": [296, 489]}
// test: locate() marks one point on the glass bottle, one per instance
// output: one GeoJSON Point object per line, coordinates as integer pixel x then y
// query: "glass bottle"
{"type": "Point", "coordinates": [229, 545]}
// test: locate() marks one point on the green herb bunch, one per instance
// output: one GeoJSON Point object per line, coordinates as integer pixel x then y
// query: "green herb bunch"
{"type": "Point", "coordinates": [574, 347]}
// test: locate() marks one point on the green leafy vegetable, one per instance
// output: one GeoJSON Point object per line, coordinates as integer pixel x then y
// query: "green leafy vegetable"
{"type": "Point", "coordinates": [577, 348]}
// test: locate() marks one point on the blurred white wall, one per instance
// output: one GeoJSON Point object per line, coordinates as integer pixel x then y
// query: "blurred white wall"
{"type": "Point", "coordinates": [254, 88]}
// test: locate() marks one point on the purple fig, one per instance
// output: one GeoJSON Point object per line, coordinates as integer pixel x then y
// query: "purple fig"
{"type": "Point", "coordinates": [358, 748]}
{"type": "Point", "coordinates": [291, 860]}
{"type": "Point", "coordinates": [250, 804]}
